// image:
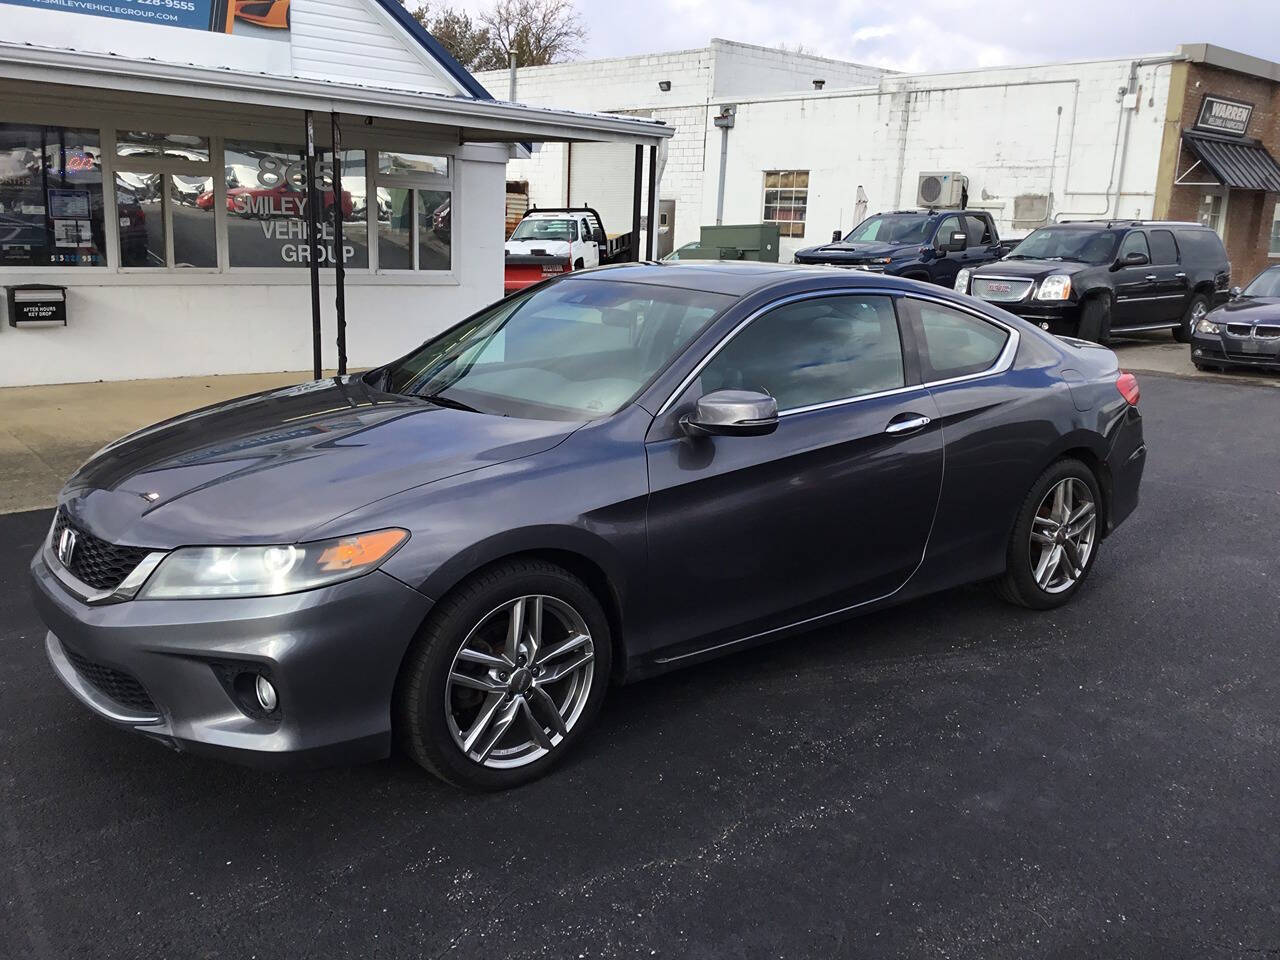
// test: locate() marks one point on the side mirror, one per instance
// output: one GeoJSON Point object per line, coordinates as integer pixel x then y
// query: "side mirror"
{"type": "Point", "coordinates": [732, 413]}
{"type": "Point", "coordinates": [1235, 293]}
{"type": "Point", "coordinates": [956, 242]}
{"type": "Point", "coordinates": [1135, 259]}
{"type": "Point", "coordinates": [836, 236]}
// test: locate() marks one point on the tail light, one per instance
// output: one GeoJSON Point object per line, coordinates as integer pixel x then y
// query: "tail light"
{"type": "Point", "coordinates": [1127, 384]}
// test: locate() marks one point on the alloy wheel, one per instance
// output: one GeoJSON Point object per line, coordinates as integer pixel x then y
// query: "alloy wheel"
{"type": "Point", "coordinates": [519, 682]}
{"type": "Point", "coordinates": [1062, 535]}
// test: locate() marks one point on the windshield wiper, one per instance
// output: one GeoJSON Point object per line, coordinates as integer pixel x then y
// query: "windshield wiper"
{"type": "Point", "coordinates": [443, 401]}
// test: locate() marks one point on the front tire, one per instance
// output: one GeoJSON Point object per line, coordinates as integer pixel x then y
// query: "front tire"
{"type": "Point", "coordinates": [505, 676]}
{"type": "Point", "coordinates": [1095, 320]}
{"type": "Point", "coordinates": [1197, 308]}
{"type": "Point", "coordinates": [1055, 539]}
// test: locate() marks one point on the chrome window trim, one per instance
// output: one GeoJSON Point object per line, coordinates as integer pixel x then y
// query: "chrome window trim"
{"type": "Point", "coordinates": [1002, 362]}
{"type": "Point", "coordinates": [127, 589]}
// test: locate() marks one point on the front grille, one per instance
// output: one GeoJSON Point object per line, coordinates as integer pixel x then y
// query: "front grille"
{"type": "Point", "coordinates": [113, 684]}
{"type": "Point", "coordinates": [1239, 329]}
{"type": "Point", "coordinates": [95, 562]}
{"type": "Point", "coordinates": [1000, 291]}
{"type": "Point", "coordinates": [1266, 332]}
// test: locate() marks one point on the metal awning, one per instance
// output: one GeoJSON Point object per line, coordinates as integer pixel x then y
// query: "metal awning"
{"type": "Point", "coordinates": [1242, 164]}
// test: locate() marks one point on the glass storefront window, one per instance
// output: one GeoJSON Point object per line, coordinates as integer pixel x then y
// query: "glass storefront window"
{"type": "Point", "coordinates": [416, 231]}
{"type": "Point", "coordinates": [51, 210]}
{"type": "Point", "coordinates": [140, 207]}
{"type": "Point", "coordinates": [133, 144]}
{"type": "Point", "coordinates": [266, 206]}
{"type": "Point", "coordinates": [394, 163]}
{"type": "Point", "coordinates": [195, 241]}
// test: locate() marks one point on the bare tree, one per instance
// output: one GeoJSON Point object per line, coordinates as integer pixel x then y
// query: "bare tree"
{"type": "Point", "coordinates": [533, 32]}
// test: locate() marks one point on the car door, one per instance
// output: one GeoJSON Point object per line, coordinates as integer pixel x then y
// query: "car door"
{"type": "Point", "coordinates": [978, 251]}
{"type": "Point", "coordinates": [751, 534]}
{"type": "Point", "coordinates": [590, 249]}
{"type": "Point", "coordinates": [1134, 284]}
{"type": "Point", "coordinates": [1171, 290]}
{"type": "Point", "coordinates": [948, 264]}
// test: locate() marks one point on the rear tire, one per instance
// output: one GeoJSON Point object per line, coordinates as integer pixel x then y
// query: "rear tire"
{"type": "Point", "coordinates": [1040, 562]}
{"type": "Point", "coordinates": [1095, 320]}
{"type": "Point", "coordinates": [436, 715]}
{"type": "Point", "coordinates": [1197, 308]}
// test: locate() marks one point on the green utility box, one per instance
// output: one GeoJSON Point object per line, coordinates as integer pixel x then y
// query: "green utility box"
{"type": "Point", "coordinates": [747, 241]}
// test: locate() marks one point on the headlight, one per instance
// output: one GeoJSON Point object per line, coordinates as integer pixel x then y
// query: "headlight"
{"type": "Point", "coordinates": [962, 281]}
{"type": "Point", "coordinates": [193, 572]}
{"type": "Point", "coordinates": [1057, 287]}
{"type": "Point", "coordinates": [1205, 325]}
{"type": "Point", "coordinates": [881, 260]}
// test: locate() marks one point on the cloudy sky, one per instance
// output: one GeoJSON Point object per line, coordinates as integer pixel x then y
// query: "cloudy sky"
{"type": "Point", "coordinates": [934, 34]}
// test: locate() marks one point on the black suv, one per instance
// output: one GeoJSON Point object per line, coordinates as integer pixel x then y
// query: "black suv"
{"type": "Point", "coordinates": [1095, 277]}
{"type": "Point", "coordinates": [929, 245]}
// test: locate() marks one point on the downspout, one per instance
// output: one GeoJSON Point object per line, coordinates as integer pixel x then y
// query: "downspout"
{"type": "Point", "coordinates": [724, 165]}
{"type": "Point", "coordinates": [902, 149]}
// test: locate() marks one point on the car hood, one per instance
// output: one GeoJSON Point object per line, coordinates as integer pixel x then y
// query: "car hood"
{"type": "Point", "coordinates": [1249, 310]}
{"type": "Point", "coordinates": [538, 248]}
{"type": "Point", "coordinates": [843, 250]}
{"type": "Point", "coordinates": [270, 467]}
{"type": "Point", "coordinates": [1031, 269]}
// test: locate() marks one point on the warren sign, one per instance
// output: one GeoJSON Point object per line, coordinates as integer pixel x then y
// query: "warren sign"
{"type": "Point", "coordinates": [268, 18]}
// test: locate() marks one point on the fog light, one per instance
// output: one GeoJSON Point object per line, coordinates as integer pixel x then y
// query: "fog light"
{"type": "Point", "coordinates": [1044, 326]}
{"type": "Point", "coordinates": [1197, 352]}
{"type": "Point", "coordinates": [266, 693]}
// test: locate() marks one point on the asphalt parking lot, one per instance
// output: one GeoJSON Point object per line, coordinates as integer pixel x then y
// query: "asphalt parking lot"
{"type": "Point", "coordinates": [953, 778]}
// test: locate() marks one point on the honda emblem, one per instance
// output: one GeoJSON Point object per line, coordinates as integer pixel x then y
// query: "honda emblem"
{"type": "Point", "coordinates": [67, 546]}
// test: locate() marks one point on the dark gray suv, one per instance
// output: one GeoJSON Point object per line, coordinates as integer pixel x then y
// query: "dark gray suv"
{"type": "Point", "coordinates": [603, 477]}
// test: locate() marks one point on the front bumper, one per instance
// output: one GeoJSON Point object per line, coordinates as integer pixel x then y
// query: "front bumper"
{"type": "Point", "coordinates": [1056, 316]}
{"type": "Point", "coordinates": [332, 654]}
{"type": "Point", "coordinates": [1223, 349]}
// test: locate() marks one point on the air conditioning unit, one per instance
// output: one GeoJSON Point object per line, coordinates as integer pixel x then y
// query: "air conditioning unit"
{"type": "Point", "coordinates": [941, 189]}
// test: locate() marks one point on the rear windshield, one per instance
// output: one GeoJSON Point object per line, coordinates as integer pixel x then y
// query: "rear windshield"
{"type": "Point", "coordinates": [1067, 243]}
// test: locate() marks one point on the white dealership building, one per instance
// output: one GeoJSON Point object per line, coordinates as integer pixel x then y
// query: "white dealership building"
{"type": "Point", "coordinates": [810, 143]}
{"type": "Point", "coordinates": [154, 197]}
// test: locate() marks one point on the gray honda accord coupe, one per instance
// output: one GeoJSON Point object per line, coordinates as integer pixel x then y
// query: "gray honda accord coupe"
{"type": "Point", "coordinates": [606, 476]}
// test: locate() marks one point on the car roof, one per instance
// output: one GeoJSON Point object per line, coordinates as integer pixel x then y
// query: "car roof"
{"type": "Point", "coordinates": [736, 278]}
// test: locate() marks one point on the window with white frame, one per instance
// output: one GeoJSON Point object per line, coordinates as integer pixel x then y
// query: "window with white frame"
{"type": "Point", "coordinates": [1274, 249]}
{"type": "Point", "coordinates": [51, 202]}
{"type": "Point", "coordinates": [164, 201]}
{"type": "Point", "coordinates": [414, 211]}
{"type": "Point", "coordinates": [786, 199]}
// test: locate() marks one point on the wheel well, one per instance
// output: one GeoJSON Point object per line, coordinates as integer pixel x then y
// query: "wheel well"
{"type": "Point", "coordinates": [1205, 287]}
{"type": "Point", "coordinates": [578, 264]}
{"type": "Point", "coordinates": [586, 570]}
{"type": "Point", "coordinates": [1100, 471]}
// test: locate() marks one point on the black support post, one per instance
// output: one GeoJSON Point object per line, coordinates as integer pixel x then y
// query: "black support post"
{"type": "Point", "coordinates": [651, 243]}
{"type": "Point", "coordinates": [339, 251]}
{"type": "Point", "coordinates": [313, 245]}
{"type": "Point", "coordinates": [635, 204]}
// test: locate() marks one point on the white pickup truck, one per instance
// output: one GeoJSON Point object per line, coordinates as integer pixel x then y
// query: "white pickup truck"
{"type": "Point", "coordinates": [549, 242]}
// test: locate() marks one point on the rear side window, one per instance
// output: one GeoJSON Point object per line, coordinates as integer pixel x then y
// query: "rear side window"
{"type": "Point", "coordinates": [813, 351]}
{"type": "Point", "coordinates": [955, 344]}
{"type": "Point", "coordinates": [1135, 242]}
{"type": "Point", "coordinates": [1163, 248]}
{"type": "Point", "coordinates": [1203, 246]}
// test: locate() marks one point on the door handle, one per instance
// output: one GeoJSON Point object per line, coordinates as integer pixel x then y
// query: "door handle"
{"type": "Point", "coordinates": [1149, 276]}
{"type": "Point", "coordinates": [1181, 276]}
{"type": "Point", "coordinates": [903, 426]}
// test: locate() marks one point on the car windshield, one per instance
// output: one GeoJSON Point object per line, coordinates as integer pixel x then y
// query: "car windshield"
{"type": "Point", "coordinates": [1067, 243]}
{"type": "Point", "coordinates": [575, 349]}
{"type": "Point", "coordinates": [544, 230]}
{"type": "Point", "coordinates": [1265, 284]}
{"type": "Point", "coordinates": [891, 228]}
